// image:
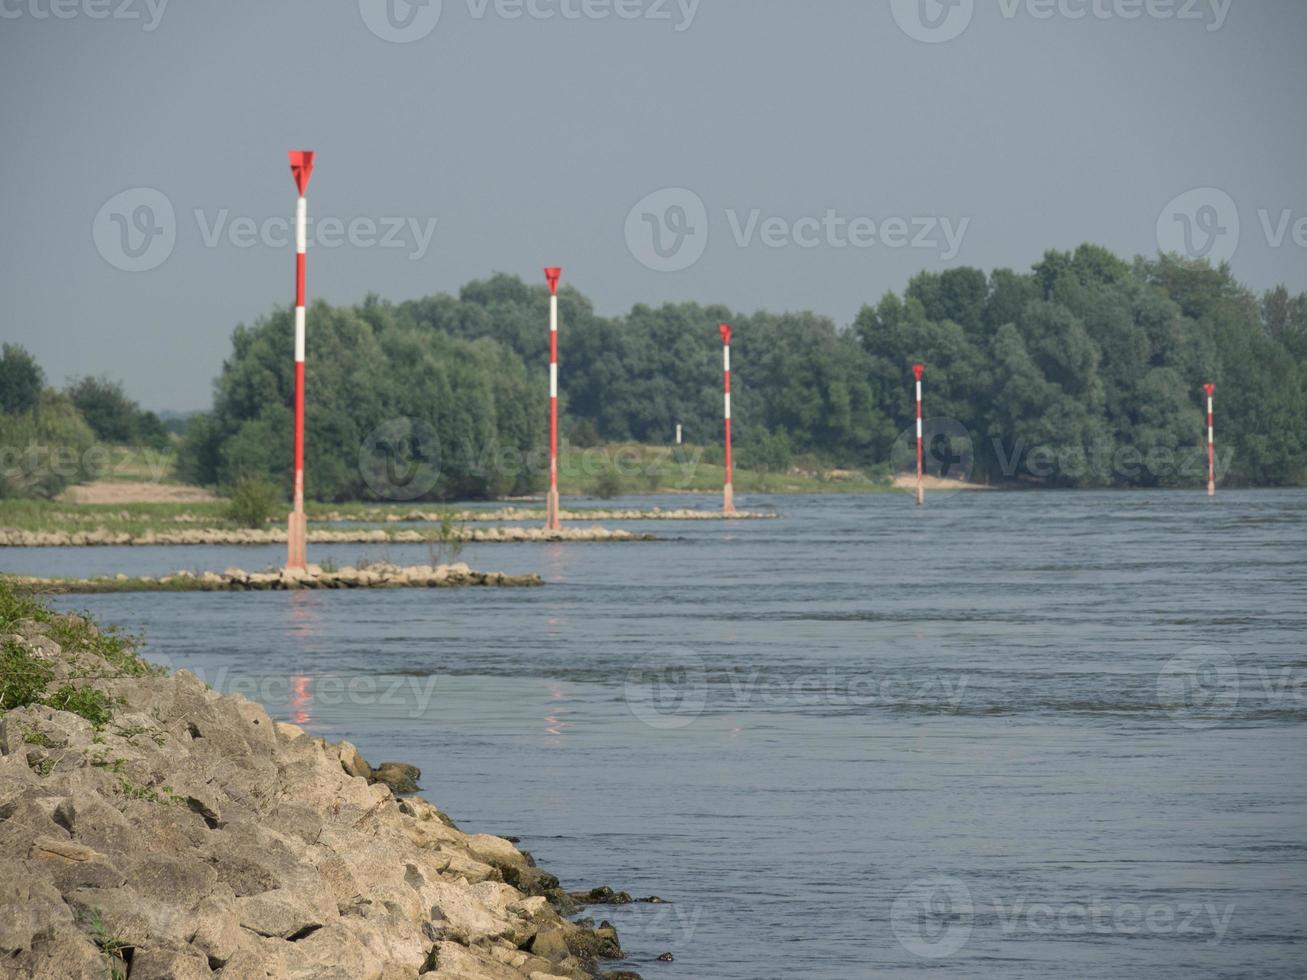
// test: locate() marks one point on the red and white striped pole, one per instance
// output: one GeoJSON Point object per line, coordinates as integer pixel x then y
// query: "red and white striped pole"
{"type": "Point", "coordinates": [552, 519]}
{"type": "Point", "coordinates": [301, 168]}
{"type": "Point", "coordinates": [918, 371]}
{"type": "Point", "coordinates": [1211, 442]}
{"type": "Point", "coordinates": [728, 491]}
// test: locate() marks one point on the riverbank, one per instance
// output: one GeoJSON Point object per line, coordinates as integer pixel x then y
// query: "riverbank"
{"type": "Point", "coordinates": [377, 575]}
{"type": "Point", "coordinates": [152, 828]}
{"type": "Point", "coordinates": [17, 538]}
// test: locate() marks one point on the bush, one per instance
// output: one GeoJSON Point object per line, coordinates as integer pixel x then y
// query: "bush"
{"type": "Point", "coordinates": [92, 704]}
{"type": "Point", "coordinates": [22, 676]}
{"type": "Point", "coordinates": [607, 485]}
{"type": "Point", "coordinates": [21, 380]}
{"type": "Point", "coordinates": [43, 451]}
{"type": "Point", "coordinates": [253, 503]}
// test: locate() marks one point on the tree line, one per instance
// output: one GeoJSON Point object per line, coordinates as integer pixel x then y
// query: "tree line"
{"type": "Point", "coordinates": [49, 437]}
{"type": "Point", "coordinates": [1085, 371]}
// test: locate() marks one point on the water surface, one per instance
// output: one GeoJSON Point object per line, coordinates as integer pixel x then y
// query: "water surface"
{"type": "Point", "coordinates": [1017, 734]}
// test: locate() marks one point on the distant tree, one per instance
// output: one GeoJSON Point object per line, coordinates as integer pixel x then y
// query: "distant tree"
{"type": "Point", "coordinates": [21, 380]}
{"type": "Point", "coordinates": [106, 408]}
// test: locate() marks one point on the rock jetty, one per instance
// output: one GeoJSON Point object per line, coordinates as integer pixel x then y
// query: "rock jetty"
{"type": "Point", "coordinates": [151, 828]}
{"type": "Point", "coordinates": [378, 575]}
{"type": "Point", "coordinates": [18, 538]}
{"type": "Point", "coordinates": [381, 516]}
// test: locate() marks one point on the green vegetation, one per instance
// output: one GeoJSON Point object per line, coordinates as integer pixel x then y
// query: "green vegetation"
{"type": "Point", "coordinates": [51, 439]}
{"type": "Point", "coordinates": [25, 678]}
{"type": "Point", "coordinates": [479, 415]}
{"type": "Point", "coordinates": [22, 677]}
{"type": "Point", "coordinates": [1084, 371]}
{"type": "Point", "coordinates": [253, 503]}
{"type": "Point", "coordinates": [115, 418]}
{"type": "Point", "coordinates": [607, 485]}
{"type": "Point", "coordinates": [114, 949]}
{"type": "Point", "coordinates": [92, 704]}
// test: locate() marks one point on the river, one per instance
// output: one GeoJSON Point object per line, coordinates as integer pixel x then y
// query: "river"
{"type": "Point", "coordinates": [1007, 734]}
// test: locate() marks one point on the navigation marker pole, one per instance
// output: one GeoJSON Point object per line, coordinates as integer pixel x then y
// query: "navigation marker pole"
{"type": "Point", "coordinates": [552, 521]}
{"type": "Point", "coordinates": [1211, 443]}
{"type": "Point", "coordinates": [728, 492]}
{"type": "Point", "coordinates": [918, 370]}
{"type": "Point", "coordinates": [301, 168]}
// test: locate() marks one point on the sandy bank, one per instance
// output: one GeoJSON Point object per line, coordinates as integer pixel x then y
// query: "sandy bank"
{"type": "Point", "coordinates": [159, 830]}
{"type": "Point", "coordinates": [134, 492]}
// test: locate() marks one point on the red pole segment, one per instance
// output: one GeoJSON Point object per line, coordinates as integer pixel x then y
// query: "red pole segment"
{"type": "Point", "coordinates": [728, 491]}
{"type": "Point", "coordinates": [301, 168]}
{"type": "Point", "coordinates": [918, 371]}
{"type": "Point", "coordinates": [553, 520]}
{"type": "Point", "coordinates": [1211, 441]}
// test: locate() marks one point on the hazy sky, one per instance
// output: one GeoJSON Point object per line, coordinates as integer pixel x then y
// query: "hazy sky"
{"type": "Point", "coordinates": [835, 148]}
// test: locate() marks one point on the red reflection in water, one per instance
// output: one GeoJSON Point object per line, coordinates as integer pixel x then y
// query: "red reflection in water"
{"type": "Point", "coordinates": [303, 614]}
{"type": "Point", "coordinates": [301, 699]}
{"type": "Point", "coordinates": [554, 723]}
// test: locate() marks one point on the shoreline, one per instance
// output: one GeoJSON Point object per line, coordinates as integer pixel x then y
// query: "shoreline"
{"type": "Point", "coordinates": [154, 826]}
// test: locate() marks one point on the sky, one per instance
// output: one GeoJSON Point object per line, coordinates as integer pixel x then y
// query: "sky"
{"type": "Point", "coordinates": [763, 154]}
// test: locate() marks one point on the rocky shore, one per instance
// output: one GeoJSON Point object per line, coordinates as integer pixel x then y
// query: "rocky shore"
{"type": "Point", "coordinates": [17, 538]}
{"type": "Point", "coordinates": [528, 514]}
{"type": "Point", "coordinates": [377, 575]}
{"type": "Point", "coordinates": [151, 828]}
